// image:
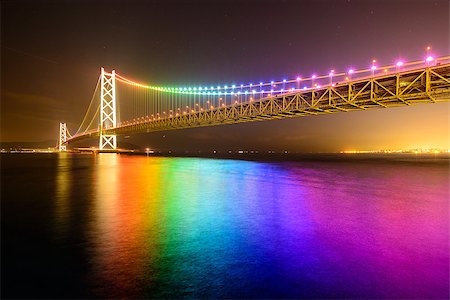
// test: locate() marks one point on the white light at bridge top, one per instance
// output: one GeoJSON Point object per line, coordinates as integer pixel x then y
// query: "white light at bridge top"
{"type": "Point", "coordinates": [430, 58]}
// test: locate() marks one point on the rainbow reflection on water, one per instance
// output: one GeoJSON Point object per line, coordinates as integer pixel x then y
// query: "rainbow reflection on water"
{"type": "Point", "coordinates": [190, 227]}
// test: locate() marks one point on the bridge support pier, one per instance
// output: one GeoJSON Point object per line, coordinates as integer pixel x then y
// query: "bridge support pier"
{"type": "Point", "coordinates": [108, 110]}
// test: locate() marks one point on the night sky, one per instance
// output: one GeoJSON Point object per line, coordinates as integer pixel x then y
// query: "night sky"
{"type": "Point", "coordinates": [51, 53]}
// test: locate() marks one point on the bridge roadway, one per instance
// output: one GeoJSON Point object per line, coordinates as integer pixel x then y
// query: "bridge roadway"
{"type": "Point", "coordinates": [425, 85]}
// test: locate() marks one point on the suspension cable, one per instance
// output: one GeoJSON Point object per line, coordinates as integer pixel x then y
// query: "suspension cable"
{"type": "Point", "coordinates": [89, 107]}
{"type": "Point", "coordinates": [93, 118]}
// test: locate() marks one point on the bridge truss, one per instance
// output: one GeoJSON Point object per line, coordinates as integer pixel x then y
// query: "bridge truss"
{"type": "Point", "coordinates": [173, 108]}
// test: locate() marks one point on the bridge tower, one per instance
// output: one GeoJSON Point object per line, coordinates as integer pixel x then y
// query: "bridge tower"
{"type": "Point", "coordinates": [108, 110]}
{"type": "Point", "coordinates": [62, 143]}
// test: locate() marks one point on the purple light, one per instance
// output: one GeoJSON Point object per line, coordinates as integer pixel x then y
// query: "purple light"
{"type": "Point", "coordinates": [399, 64]}
{"type": "Point", "coordinates": [284, 80]}
{"type": "Point", "coordinates": [313, 77]}
{"type": "Point", "coordinates": [271, 82]}
{"type": "Point", "coordinates": [299, 78]}
{"type": "Point", "coordinates": [351, 71]}
{"type": "Point", "coordinates": [373, 68]}
{"type": "Point", "coordinates": [260, 83]}
{"type": "Point", "coordinates": [430, 58]}
{"type": "Point", "coordinates": [331, 73]}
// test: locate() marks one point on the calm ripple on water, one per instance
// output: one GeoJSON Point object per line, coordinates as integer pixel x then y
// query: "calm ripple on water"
{"type": "Point", "coordinates": [117, 226]}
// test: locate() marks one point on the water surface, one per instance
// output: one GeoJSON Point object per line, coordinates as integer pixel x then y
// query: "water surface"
{"type": "Point", "coordinates": [85, 226]}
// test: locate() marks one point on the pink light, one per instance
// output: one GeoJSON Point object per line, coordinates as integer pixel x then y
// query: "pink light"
{"type": "Point", "coordinates": [313, 77]}
{"type": "Point", "coordinates": [399, 64]}
{"type": "Point", "coordinates": [430, 58]}
{"type": "Point", "coordinates": [299, 78]}
{"type": "Point", "coordinates": [331, 73]}
{"type": "Point", "coordinates": [373, 68]}
{"type": "Point", "coordinates": [351, 71]}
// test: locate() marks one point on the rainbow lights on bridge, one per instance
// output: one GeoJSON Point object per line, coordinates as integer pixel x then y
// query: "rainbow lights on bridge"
{"type": "Point", "coordinates": [127, 106]}
{"type": "Point", "coordinates": [283, 86]}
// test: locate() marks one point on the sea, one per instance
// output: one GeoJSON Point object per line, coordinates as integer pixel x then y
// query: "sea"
{"type": "Point", "coordinates": [314, 227]}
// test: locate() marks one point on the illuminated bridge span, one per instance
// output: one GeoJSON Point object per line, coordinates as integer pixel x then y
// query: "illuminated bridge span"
{"type": "Point", "coordinates": [122, 106]}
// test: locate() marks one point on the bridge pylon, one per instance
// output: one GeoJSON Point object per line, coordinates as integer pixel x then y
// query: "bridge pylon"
{"type": "Point", "coordinates": [108, 110]}
{"type": "Point", "coordinates": [62, 142]}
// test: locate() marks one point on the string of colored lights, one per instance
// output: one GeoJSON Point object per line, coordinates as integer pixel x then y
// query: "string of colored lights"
{"type": "Point", "coordinates": [286, 86]}
{"type": "Point", "coordinates": [143, 103]}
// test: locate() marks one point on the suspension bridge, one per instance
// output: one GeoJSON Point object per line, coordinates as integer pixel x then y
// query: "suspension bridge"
{"type": "Point", "coordinates": [122, 106]}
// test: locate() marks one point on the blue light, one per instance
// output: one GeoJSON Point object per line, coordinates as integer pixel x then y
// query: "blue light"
{"type": "Point", "coordinates": [233, 86]}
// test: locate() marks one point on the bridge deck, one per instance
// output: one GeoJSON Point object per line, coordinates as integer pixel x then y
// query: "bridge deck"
{"type": "Point", "coordinates": [426, 85]}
